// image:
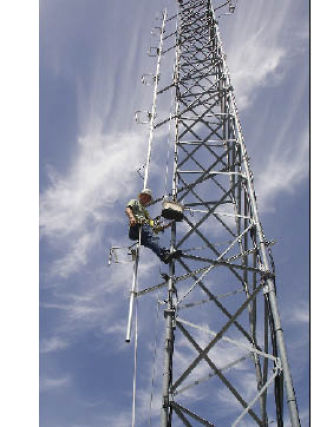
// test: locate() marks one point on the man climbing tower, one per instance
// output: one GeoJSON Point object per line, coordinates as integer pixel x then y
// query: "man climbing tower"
{"type": "Point", "coordinates": [139, 217]}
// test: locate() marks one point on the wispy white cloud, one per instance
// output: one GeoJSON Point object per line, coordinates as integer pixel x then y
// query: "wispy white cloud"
{"type": "Point", "coordinates": [121, 419]}
{"type": "Point", "coordinates": [95, 304]}
{"type": "Point", "coordinates": [48, 345]}
{"type": "Point", "coordinates": [88, 306]}
{"type": "Point", "coordinates": [260, 45]}
{"type": "Point", "coordinates": [301, 315]}
{"type": "Point", "coordinates": [102, 171]}
{"type": "Point", "coordinates": [283, 155]}
{"type": "Point", "coordinates": [75, 206]}
{"type": "Point", "coordinates": [76, 256]}
{"type": "Point", "coordinates": [47, 383]}
{"type": "Point", "coordinates": [298, 314]}
{"type": "Point", "coordinates": [284, 169]}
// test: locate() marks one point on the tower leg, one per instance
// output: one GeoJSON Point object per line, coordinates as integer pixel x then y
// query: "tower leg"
{"type": "Point", "coordinates": [169, 314]}
{"type": "Point", "coordinates": [291, 398]}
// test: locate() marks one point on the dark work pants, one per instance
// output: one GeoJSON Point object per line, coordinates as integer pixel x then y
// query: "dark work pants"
{"type": "Point", "coordinates": [148, 239]}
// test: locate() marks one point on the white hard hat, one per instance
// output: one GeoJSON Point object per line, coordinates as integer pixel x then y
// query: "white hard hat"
{"type": "Point", "coordinates": [146, 191]}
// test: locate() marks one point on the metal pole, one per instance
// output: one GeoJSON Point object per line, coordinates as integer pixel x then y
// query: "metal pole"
{"type": "Point", "coordinates": [134, 382]}
{"type": "Point", "coordinates": [153, 111]}
{"type": "Point", "coordinates": [133, 292]}
{"type": "Point", "coordinates": [146, 176]}
{"type": "Point", "coordinates": [169, 314]}
{"type": "Point", "coordinates": [291, 399]}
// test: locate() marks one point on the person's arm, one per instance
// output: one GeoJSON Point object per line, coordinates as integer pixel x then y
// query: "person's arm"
{"type": "Point", "coordinates": [167, 225]}
{"type": "Point", "coordinates": [131, 217]}
{"type": "Point", "coordinates": [162, 227]}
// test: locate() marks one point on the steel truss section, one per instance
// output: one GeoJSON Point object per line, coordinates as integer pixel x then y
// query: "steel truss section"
{"type": "Point", "coordinates": [220, 368]}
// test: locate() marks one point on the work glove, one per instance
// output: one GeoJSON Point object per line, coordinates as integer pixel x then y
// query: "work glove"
{"type": "Point", "coordinates": [158, 228]}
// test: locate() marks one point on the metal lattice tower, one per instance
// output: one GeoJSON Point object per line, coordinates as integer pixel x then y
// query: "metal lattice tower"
{"type": "Point", "coordinates": [221, 299]}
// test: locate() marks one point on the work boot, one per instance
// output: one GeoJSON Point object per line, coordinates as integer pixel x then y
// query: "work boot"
{"type": "Point", "coordinates": [169, 256]}
{"type": "Point", "coordinates": [165, 276]}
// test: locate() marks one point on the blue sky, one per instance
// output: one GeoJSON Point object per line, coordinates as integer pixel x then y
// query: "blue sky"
{"type": "Point", "coordinates": [92, 54]}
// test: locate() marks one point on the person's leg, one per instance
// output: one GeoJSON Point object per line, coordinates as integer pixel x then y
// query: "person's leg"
{"type": "Point", "coordinates": [149, 240]}
{"type": "Point", "coordinates": [134, 232]}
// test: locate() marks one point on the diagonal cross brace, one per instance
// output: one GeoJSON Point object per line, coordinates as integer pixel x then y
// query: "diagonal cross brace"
{"type": "Point", "coordinates": [192, 414]}
{"type": "Point", "coordinates": [219, 374]}
{"type": "Point", "coordinates": [239, 344]}
{"type": "Point", "coordinates": [204, 352]}
{"type": "Point", "coordinates": [181, 416]}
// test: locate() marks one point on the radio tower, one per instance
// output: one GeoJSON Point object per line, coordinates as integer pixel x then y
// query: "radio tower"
{"type": "Point", "coordinates": [221, 305]}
